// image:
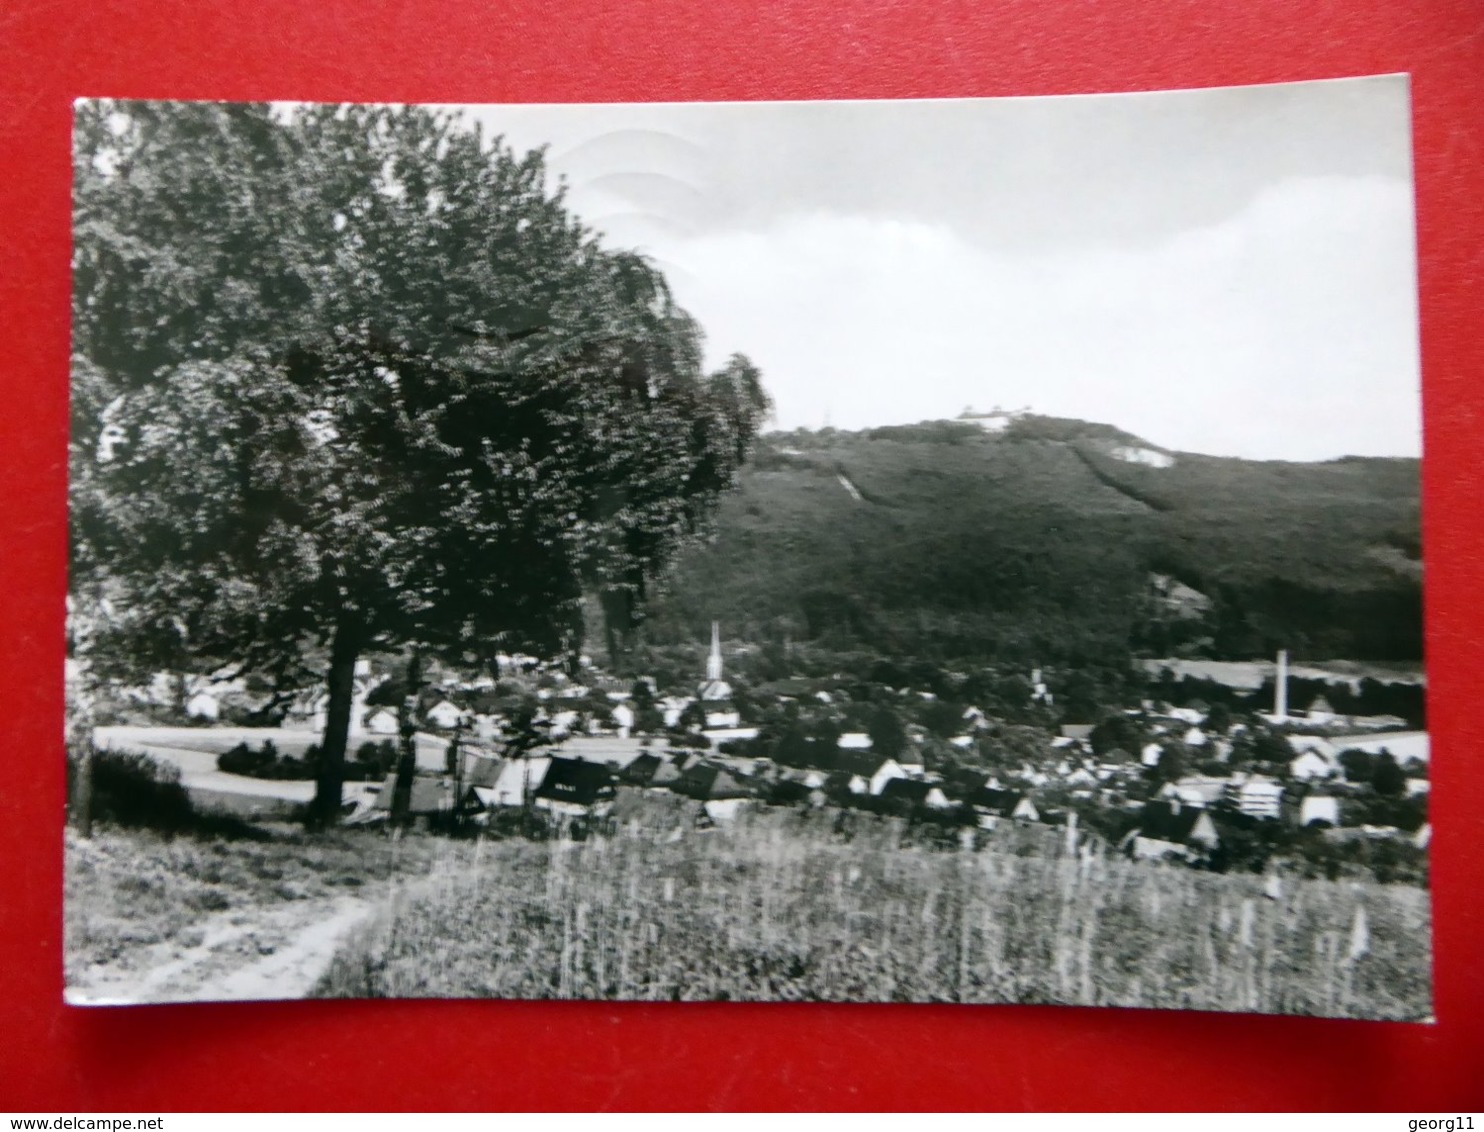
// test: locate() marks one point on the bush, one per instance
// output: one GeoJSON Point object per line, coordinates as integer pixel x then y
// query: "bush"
{"type": "Point", "coordinates": [132, 789]}
{"type": "Point", "coordinates": [375, 760]}
{"type": "Point", "coordinates": [267, 763]}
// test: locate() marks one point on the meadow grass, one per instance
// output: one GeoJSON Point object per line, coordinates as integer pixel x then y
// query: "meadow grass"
{"type": "Point", "coordinates": [778, 907]}
{"type": "Point", "coordinates": [127, 889]}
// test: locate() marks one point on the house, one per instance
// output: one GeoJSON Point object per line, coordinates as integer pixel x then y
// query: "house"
{"type": "Point", "coordinates": [1195, 737]}
{"type": "Point", "coordinates": [719, 811]}
{"type": "Point", "coordinates": [1317, 808]}
{"type": "Point", "coordinates": [1078, 731]}
{"type": "Point", "coordinates": [443, 714]}
{"type": "Point", "coordinates": [811, 777]}
{"type": "Point", "coordinates": [1320, 711]}
{"type": "Point", "coordinates": [309, 711]}
{"type": "Point", "coordinates": [382, 721]}
{"type": "Point", "coordinates": [575, 788]}
{"type": "Point", "coordinates": [1311, 766]}
{"type": "Point", "coordinates": [641, 769]}
{"type": "Point", "coordinates": [1170, 829]}
{"type": "Point", "coordinates": [203, 705]}
{"type": "Point", "coordinates": [1260, 797]}
{"type": "Point", "coordinates": [1150, 754]}
{"type": "Point", "coordinates": [720, 718]}
{"type": "Point", "coordinates": [864, 772]}
{"type": "Point", "coordinates": [665, 776]}
{"type": "Point", "coordinates": [516, 780]}
{"type": "Point", "coordinates": [1418, 787]}
{"type": "Point", "coordinates": [562, 722]}
{"type": "Point", "coordinates": [854, 741]}
{"type": "Point", "coordinates": [479, 769]}
{"type": "Point", "coordinates": [671, 707]}
{"type": "Point", "coordinates": [992, 803]}
{"type": "Point", "coordinates": [1196, 790]}
{"type": "Point", "coordinates": [910, 760]}
{"type": "Point", "coordinates": [708, 781]}
{"type": "Point", "coordinates": [914, 794]}
{"type": "Point", "coordinates": [623, 719]}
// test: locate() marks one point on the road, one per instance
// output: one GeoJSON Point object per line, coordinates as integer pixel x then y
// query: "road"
{"type": "Point", "coordinates": [194, 750]}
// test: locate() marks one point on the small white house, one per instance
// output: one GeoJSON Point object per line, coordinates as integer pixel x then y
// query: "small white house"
{"type": "Point", "coordinates": [382, 721]}
{"type": "Point", "coordinates": [855, 741]}
{"type": "Point", "coordinates": [1260, 797]}
{"type": "Point", "coordinates": [722, 717]}
{"type": "Point", "coordinates": [517, 781]}
{"type": "Point", "coordinates": [1319, 808]}
{"type": "Point", "coordinates": [623, 719]}
{"type": "Point", "coordinates": [670, 708]}
{"type": "Point", "coordinates": [444, 714]}
{"type": "Point", "coordinates": [203, 705]}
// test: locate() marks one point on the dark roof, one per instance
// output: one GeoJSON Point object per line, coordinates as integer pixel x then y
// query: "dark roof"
{"type": "Point", "coordinates": [863, 763]}
{"type": "Point", "coordinates": [997, 801]}
{"type": "Point", "coordinates": [664, 774]}
{"type": "Point", "coordinates": [1165, 821]}
{"type": "Point", "coordinates": [576, 781]}
{"type": "Point", "coordinates": [641, 770]}
{"type": "Point", "coordinates": [906, 790]}
{"type": "Point", "coordinates": [709, 782]}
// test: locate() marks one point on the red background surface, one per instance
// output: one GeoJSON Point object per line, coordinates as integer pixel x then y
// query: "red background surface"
{"type": "Point", "coordinates": [354, 1055]}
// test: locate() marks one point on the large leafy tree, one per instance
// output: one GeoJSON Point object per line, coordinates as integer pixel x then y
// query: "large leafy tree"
{"type": "Point", "coordinates": [354, 378]}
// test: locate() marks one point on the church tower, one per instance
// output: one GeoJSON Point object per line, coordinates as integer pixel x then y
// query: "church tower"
{"type": "Point", "coordinates": [714, 692]}
{"type": "Point", "coordinates": [713, 662]}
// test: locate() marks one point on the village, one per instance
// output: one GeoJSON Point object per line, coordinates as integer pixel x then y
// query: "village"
{"type": "Point", "coordinates": [544, 752]}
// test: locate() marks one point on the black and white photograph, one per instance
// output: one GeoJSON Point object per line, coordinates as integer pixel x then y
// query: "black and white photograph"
{"type": "Point", "coordinates": [956, 551]}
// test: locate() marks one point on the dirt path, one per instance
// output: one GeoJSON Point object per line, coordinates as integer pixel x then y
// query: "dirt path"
{"type": "Point", "coordinates": [268, 953]}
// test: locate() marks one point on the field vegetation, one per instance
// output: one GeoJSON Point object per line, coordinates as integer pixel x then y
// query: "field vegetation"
{"type": "Point", "coordinates": [787, 905]}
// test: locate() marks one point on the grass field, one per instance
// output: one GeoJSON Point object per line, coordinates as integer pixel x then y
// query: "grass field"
{"type": "Point", "coordinates": [778, 907]}
{"type": "Point", "coordinates": [137, 901]}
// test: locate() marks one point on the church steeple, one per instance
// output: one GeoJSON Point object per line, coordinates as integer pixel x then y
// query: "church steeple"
{"type": "Point", "coordinates": [713, 662]}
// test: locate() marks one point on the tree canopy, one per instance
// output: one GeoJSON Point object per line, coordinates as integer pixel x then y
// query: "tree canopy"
{"type": "Point", "coordinates": [350, 378]}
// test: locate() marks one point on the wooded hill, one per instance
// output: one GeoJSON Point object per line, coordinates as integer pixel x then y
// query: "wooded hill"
{"type": "Point", "coordinates": [1046, 542]}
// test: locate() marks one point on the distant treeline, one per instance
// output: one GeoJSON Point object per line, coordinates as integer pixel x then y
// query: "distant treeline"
{"type": "Point", "coordinates": [1369, 697]}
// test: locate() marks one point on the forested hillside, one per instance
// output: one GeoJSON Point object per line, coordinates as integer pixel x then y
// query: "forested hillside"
{"type": "Point", "coordinates": [1053, 541]}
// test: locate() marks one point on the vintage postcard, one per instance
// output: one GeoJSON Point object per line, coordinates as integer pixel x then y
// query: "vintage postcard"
{"type": "Point", "coordinates": [929, 551]}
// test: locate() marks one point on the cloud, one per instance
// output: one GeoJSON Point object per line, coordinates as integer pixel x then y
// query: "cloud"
{"type": "Point", "coordinates": [1285, 331]}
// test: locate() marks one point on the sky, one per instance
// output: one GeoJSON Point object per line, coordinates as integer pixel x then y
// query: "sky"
{"type": "Point", "coordinates": [1227, 271]}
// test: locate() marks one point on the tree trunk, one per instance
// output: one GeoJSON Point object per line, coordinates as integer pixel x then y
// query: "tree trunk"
{"type": "Point", "coordinates": [82, 802]}
{"type": "Point", "coordinates": [325, 809]}
{"type": "Point", "coordinates": [407, 762]}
